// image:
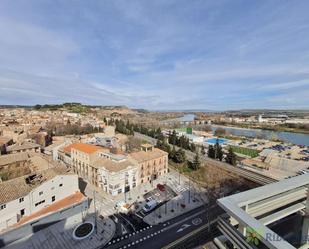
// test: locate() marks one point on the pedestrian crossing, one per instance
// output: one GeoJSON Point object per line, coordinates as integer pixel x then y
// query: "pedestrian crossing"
{"type": "Point", "coordinates": [106, 207]}
{"type": "Point", "coordinates": [181, 189]}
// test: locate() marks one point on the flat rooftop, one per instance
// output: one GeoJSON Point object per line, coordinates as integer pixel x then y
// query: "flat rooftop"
{"type": "Point", "coordinates": [237, 206]}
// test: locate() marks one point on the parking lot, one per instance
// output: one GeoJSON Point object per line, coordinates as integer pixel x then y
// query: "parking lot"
{"type": "Point", "coordinates": [160, 194]}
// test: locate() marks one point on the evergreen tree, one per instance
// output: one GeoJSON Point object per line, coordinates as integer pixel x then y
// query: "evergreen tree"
{"type": "Point", "coordinates": [203, 150]}
{"type": "Point", "coordinates": [192, 147]}
{"type": "Point", "coordinates": [173, 153]}
{"type": "Point", "coordinates": [173, 138]}
{"type": "Point", "coordinates": [180, 156]}
{"type": "Point", "coordinates": [218, 151]}
{"type": "Point", "coordinates": [196, 162]}
{"type": "Point", "coordinates": [231, 157]}
{"type": "Point", "coordinates": [211, 152]}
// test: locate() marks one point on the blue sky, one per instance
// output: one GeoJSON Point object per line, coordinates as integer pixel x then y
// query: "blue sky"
{"type": "Point", "coordinates": [160, 54]}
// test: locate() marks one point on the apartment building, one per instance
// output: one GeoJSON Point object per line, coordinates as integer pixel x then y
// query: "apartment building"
{"type": "Point", "coordinates": [116, 174]}
{"type": "Point", "coordinates": [4, 143]}
{"type": "Point", "coordinates": [152, 162]}
{"type": "Point", "coordinates": [82, 156]}
{"type": "Point", "coordinates": [23, 147]}
{"type": "Point", "coordinates": [22, 197]}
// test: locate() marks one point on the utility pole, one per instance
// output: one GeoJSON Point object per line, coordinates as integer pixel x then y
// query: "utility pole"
{"type": "Point", "coordinates": [189, 190]}
{"type": "Point", "coordinates": [125, 187]}
{"type": "Point", "coordinates": [165, 199]}
{"type": "Point", "coordinates": [95, 214]}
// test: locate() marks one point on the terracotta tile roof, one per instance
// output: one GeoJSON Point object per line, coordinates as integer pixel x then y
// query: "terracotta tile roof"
{"type": "Point", "coordinates": [142, 156]}
{"type": "Point", "coordinates": [67, 149]}
{"type": "Point", "coordinates": [23, 146]}
{"type": "Point", "coordinates": [112, 165]}
{"type": "Point", "coordinates": [4, 140]}
{"type": "Point", "coordinates": [18, 187]}
{"type": "Point", "coordinates": [86, 148]}
{"type": "Point", "coordinates": [13, 158]}
{"type": "Point", "coordinates": [58, 205]}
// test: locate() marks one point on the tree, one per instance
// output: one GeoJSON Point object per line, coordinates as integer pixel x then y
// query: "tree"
{"type": "Point", "coordinates": [162, 145]}
{"type": "Point", "coordinates": [133, 144]}
{"type": "Point", "coordinates": [173, 153]}
{"type": "Point", "coordinates": [192, 147]}
{"type": "Point", "coordinates": [231, 157]}
{"type": "Point", "coordinates": [180, 156]}
{"type": "Point", "coordinates": [203, 150]}
{"type": "Point", "coordinates": [173, 138]}
{"type": "Point", "coordinates": [37, 107]}
{"type": "Point", "coordinates": [211, 152]}
{"type": "Point", "coordinates": [218, 151]}
{"type": "Point", "coordinates": [207, 128]}
{"type": "Point", "coordinates": [220, 132]}
{"type": "Point", "coordinates": [196, 162]}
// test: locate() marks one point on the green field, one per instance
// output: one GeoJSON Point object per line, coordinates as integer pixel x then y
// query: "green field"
{"type": "Point", "coordinates": [245, 151]}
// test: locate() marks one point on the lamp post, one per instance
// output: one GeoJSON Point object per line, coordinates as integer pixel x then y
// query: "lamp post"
{"type": "Point", "coordinates": [125, 187]}
{"type": "Point", "coordinates": [189, 191]}
{"type": "Point", "coordinates": [165, 198]}
{"type": "Point", "coordinates": [95, 214]}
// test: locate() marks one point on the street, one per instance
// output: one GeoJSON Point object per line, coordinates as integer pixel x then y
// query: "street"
{"type": "Point", "coordinates": [163, 234]}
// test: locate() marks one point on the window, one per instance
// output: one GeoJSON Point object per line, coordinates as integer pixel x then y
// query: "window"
{"type": "Point", "coordinates": [21, 199]}
{"type": "Point", "coordinates": [60, 185]}
{"type": "Point", "coordinates": [3, 206]}
{"type": "Point", "coordinates": [22, 212]}
{"type": "Point", "coordinates": [119, 191]}
{"type": "Point", "coordinates": [53, 198]}
{"type": "Point", "coordinates": [39, 203]}
{"type": "Point", "coordinates": [41, 192]}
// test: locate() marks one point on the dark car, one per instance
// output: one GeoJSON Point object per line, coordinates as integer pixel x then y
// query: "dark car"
{"type": "Point", "coordinates": [161, 187]}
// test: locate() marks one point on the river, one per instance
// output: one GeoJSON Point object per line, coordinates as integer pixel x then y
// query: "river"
{"type": "Point", "coordinates": [290, 137]}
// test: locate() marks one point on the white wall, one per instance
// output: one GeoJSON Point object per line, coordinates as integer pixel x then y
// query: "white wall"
{"type": "Point", "coordinates": [10, 214]}
{"type": "Point", "coordinates": [42, 222]}
{"type": "Point", "coordinates": [117, 178]}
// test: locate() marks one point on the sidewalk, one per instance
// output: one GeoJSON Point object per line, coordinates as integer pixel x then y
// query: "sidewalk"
{"type": "Point", "coordinates": [180, 184]}
{"type": "Point", "coordinates": [175, 207]}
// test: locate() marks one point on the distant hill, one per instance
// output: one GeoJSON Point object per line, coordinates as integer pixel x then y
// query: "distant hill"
{"type": "Point", "coordinates": [77, 108]}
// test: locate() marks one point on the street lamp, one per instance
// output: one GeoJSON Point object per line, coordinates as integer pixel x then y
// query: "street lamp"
{"type": "Point", "coordinates": [189, 191]}
{"type": "Point", "coordinates": [95, 214]}
{"type": "Point", "coordinates": [126, 176]}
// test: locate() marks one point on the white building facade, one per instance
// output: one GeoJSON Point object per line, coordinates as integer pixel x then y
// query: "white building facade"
{"type": "Point", "coordinates": [31, 197]}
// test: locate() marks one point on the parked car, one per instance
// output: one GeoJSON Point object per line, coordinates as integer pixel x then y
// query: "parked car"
{"type": "Point", "coordinates": [150, 205]}
{"type": "Point", "coordinates": [161, 187]}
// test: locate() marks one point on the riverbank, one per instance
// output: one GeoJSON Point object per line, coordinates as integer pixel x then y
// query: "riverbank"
{"type": "Point", "coordinates": [289, 137]}
{"type": "Point", "coordinates": [269, 128]}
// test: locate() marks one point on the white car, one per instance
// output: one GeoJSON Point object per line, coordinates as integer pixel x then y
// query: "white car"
{"type": "Point", "coordinates": [150, 205]}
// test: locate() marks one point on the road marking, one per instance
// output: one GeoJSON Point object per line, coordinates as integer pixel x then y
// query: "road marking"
{"type": "Point", "coordinates": [123, 229]}
{"type": "Point", "coordinates": [185, 219]}
{"type": "Point", "coordinates": [196, 221]}
{"type": "Point", "coordinates": [128, 222]}
{"type": "Point", "coordinates": [183, 227]}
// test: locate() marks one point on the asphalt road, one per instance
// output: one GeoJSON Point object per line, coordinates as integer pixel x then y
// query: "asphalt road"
{"type": "Point", "coordinates": [163, 234]}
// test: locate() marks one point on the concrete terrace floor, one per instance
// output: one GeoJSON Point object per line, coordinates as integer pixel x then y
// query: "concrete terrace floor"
{"type": "Point", "coordinates": [59, 236]}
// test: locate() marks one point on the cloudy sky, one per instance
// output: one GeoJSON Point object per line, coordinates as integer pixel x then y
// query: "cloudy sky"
{"type": "Point", "coordinates": [159, 54]}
